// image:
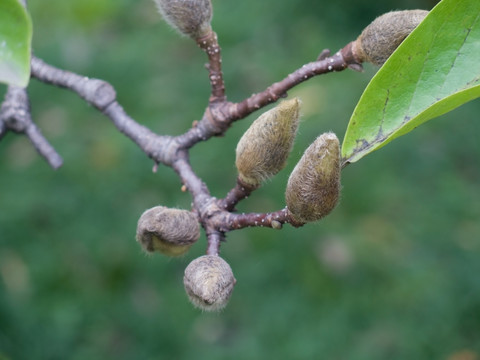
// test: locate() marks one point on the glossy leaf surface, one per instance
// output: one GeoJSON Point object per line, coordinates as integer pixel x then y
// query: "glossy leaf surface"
{"type": "Point", "coordinates": [435, 70]}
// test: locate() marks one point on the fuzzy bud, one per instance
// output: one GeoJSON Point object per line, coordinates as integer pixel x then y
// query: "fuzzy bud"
{"type": "Point", "coordinates": [264, 148]}
{"type": "Point", "coordinates": [169, 231]}
{"type": "Point", "coordinates": [189, 17]}
{"type": "Point", "coordinates": [209, 282]}
{"type": "Point", "coordinates": [380, 39]}
{"type": "Point", "coordinates": [313, 188]}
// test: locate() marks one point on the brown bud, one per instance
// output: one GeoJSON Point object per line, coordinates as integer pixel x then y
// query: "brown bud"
{"type": "Point", "coordinates": [189, 17]}
{"type": "Point", "coordinates": [313, 188]}
{"type": "Point", "coordinates": [209, 282]}
{"type": "Point", "coordinates": [169, 231]}
{"type": "Point", "coordinates": [380, 39]}
{"type": "Point", "coordinates": [264, 148]}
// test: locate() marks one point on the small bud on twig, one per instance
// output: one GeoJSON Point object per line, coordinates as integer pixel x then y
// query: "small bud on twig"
{"type": "Point", "coordinates": [209, 282]}
{"type": "Point", "coordinates": [169, 231]}
{"type": "Point", "coordinates": [313, 188]}
{"type": "Point", "coordinates": [380, 39]}
{"type": "Point", "coordinates": [264, 148]}
{"type": "Point", "coordinates": [189, 17]}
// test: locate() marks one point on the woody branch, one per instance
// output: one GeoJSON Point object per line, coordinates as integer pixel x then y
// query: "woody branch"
{"type": "Point", "coordinates": [215, 215]}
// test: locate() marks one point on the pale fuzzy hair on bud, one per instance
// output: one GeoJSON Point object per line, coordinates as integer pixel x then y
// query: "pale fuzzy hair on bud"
{"type": "Point", "coordinates": [169, 231]}
{"type": "Point", "coordinates": [189, 17]}
{"type": "Point", "coordinates": [209, 282]}
{"type": "Point", "coordinates": [380, 39]}
{"type": "Point", "coordinates": [313, 188]}
{"type": "Point", "coordinates": [264, 148]}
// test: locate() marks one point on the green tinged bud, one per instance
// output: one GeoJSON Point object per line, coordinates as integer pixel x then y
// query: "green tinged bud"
{"type": "Point", "coordinates": [169, 231]}
{"type": "Point", "coordinates": [380, 39]}
{"type": "Point", "coordinates": [264, 148]}
{"type": "Point", "coordinates": [209, 282]}
{"type": "Point", "coordinates": [190, 17]}
{"type": "Point", "coordinates": [313, 188]}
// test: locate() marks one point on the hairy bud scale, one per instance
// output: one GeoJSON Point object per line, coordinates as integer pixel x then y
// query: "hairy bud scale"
{"type": "Point", "coordinates": [209, 282]}
{"type": "Point", "coordinates": [264, 148]}
{"type": "Point", "coordinates": [380, 39]}
{"type": "Point", "coordinates": [189, 17]}
{"type": "Point", "coordinates": [169, 231]}
{"type": "Point", "coordinates": [313, 187]}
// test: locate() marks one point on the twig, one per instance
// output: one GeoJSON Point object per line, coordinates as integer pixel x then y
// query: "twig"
{"type": "Point", "coordinates": [102, 95]}
{"type": "Point", "coordinates": [239, 192]}
{"type": "Point", "coordinates": [274, 220]}
{"type": "Point", "coordinates": [202, 200]}
{"type": "Point", "coordinates": [209, 44]}
{"type": "Point", "coordinates": [43, 146]}
{"type": "Point", "coordinates": [219, 115]}
{"type": "Point", "coordinates": [279, 89]}
{"type": "Point", "coordinates": [15, 116]}
{"type": "Point", "coordinates": [203, 203]}
{"type": "Point", "coordinates": [214, 238]}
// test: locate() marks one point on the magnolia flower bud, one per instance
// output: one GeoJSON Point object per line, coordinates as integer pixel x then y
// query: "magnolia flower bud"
{"type": "Point", "coordinates": [169, 231]}
{"type": "Point", "coordinates": [263, 150]}
{"type": "Point", "coordinates": [209, 282]}
{"type": "Point", "coordinates": [190, 17]}
{"type": "Point", "coordinates": [313, 188]}
{"type": "Point", "coordinates": [380, 39]}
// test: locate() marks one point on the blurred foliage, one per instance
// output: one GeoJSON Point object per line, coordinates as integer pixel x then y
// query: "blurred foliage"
{"type": "Point", "coordinates": [392, 273]}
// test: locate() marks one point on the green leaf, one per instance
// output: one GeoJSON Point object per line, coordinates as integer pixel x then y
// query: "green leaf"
{"type": "Point", "coordinates": [435, 70]}
{"type": "Point", "coordinates": [15, 43]}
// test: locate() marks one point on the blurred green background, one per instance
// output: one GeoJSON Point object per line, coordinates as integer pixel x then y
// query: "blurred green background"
{"type": "Point", "coordinates": [392, 273]}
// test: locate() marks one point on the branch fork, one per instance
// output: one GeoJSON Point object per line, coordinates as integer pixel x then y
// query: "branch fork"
{"type": "Point", "coordinates": [217, 216]}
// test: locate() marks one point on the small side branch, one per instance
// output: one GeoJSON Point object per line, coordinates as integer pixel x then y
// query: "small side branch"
{"type": "Point", "coordinates": [203, 203]}
{"type": "Point", "coordinates": [209, 44]}
{"type": "Point", "coordinates": [42, 146]}
{"type": "Point", "coordinates": [239, 192]}
{"type": "Point", "coordinates": [220, 114]}
{"type": "Point", "coordinates": [274, 220]}
{"type": "Point", "coordinates": [279, 89]}
{"type": "Point", "coordinates": [202, 200]}
{"type": "Point", "coordinates": [214, 239]}
{"type": "Point", "coordinates": [15, 116]}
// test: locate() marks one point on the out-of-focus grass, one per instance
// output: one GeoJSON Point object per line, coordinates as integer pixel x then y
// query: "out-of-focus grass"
{"type": "Point", "coordinates": [391, 274]}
